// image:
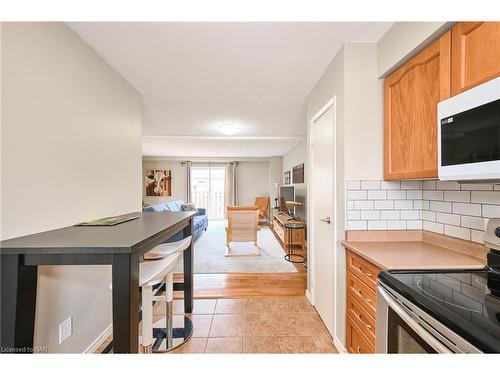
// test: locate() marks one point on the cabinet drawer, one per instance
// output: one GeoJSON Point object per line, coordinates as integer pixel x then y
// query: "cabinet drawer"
{"type": "Point", "coordinates": [357, 342]}
{"type": "Point", "coordinates": [363, 269]}
{"type": "Point", "coordinates": [362, 293]}
{"type": "Point", "coordinates": [361, 317]}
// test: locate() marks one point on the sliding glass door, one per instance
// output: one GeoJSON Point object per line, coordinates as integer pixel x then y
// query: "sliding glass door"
{"type": "Point", "coordinates": [208, 185]}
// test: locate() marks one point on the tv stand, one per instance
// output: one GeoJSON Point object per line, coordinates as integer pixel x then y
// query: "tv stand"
{"type": "Point", "coordinates": [280, 218]}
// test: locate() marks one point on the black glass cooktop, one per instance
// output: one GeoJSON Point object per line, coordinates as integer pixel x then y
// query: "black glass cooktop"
{"type": "Point", "coordinates": [467, 302]}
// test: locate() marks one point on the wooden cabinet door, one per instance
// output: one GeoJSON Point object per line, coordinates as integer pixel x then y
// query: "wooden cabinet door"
{"type": "Point", "coordinates": [475, 54]}
{"type": "Point", "coordinates": [411, 95]}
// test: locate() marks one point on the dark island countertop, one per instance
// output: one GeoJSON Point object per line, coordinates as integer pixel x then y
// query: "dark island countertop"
{"type": "Point", "coordinates": [131, 236]}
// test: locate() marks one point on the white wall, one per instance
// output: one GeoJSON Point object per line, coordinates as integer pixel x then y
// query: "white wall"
{"type": "Point", "coordinates": [179, 188]}
{"type": "Point", "coordinates": [71, 151]}
{"type": "Point", "coordinates": [295, 156]}
{"type": "Point", "coordinates": [253, 181]}
{"type": "Point", "coordinates": [403, 41]}
{"type": "Point", "coordinates": [364, 113]}
{"type": "Point", "coordinates": [275, 175]}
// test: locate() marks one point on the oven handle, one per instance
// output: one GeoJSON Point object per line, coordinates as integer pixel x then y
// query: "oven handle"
{"type": "Point", "coordinates": [424, 334]}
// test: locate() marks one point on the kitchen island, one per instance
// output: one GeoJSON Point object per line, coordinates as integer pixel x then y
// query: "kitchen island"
{"type": "Point", "coordinates": [122, 246]}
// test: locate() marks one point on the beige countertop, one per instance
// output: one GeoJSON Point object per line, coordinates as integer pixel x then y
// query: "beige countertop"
{"type": "Point", "coordinates": [412, 255]}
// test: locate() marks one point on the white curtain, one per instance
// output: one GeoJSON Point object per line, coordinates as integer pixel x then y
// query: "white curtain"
{"type": "Point", "coordinates": [231, 191]}
{"type": "Point", "coordinates": [188, 182]}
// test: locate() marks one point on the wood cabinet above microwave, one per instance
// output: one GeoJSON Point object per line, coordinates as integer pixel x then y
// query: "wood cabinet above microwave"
{"type": "Point", "coordinates": [411, 95]}
{"type": "Point", "coordinates": [475, 54]}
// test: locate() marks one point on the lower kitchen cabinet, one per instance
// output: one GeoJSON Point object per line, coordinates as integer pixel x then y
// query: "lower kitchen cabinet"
{"type": "Point", "coordinates": [361, 304]}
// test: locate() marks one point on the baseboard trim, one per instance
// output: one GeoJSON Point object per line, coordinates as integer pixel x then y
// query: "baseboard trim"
{"type": "Point", "coordinates": [309, 297]}
{"type": "Point", "coordinates": [99, 340]}
{"type": "Point", "coordinates": [340, 347]}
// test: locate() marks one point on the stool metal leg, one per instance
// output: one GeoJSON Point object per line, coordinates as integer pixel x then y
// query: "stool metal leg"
{"type": "Point", "coordinates": [169, 310]}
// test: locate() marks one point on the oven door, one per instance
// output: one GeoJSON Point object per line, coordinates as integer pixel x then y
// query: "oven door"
{"type": "Point", "coordinates": [398, 330]}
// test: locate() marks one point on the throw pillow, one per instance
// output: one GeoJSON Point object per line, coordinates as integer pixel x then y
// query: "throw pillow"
{"type": "Point", "coordinates": [188, 207]}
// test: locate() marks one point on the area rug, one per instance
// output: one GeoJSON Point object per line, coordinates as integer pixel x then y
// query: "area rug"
{"type": "Point", "coordinates": [209, 252]}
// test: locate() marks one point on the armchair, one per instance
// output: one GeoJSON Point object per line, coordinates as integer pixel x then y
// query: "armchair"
{"type": "Point", "coordinates": [243, 224]}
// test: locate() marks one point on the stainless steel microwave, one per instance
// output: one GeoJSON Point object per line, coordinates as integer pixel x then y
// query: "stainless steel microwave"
{"type": "Point", "coordinates": [469, 134]}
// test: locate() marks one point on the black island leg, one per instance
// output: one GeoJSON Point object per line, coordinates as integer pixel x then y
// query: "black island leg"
{"type": "Point", "coordinates": [125, 303]}
{"type": "Point", "coordinates": [18, 304]}
{"type": "Point", "coordinates": [188, 270]}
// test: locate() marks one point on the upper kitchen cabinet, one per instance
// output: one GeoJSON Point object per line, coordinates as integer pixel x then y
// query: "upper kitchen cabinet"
{"type": "Point", "coordinates": [411, 95]}
{"type": "Point", "coordinates": [475, 55]}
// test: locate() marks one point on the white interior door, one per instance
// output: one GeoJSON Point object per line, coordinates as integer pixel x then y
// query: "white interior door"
{"type": "Point", "coordinates": [322, 201]}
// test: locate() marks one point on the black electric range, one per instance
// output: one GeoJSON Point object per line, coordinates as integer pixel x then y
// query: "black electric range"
{"type": "Point", "coordinates": [467, 302]}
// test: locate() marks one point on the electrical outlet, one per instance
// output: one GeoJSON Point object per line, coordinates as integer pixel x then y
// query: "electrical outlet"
{"type": "Point", "coordinates": [65, 329]}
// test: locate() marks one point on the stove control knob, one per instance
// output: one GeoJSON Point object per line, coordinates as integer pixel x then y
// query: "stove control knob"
{"type": "Point", "coordinates": [497, 232]}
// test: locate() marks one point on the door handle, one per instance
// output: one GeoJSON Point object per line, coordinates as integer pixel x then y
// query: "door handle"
{"type": "Point", "coordinates": [325, 220]}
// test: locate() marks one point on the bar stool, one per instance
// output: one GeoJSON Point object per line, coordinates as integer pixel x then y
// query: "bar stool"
{"type": "Point", "coordinates": [164, 249]}
{"type": "Point", "coordinates": [169, 254]}
{"type": "Point", "coordinates": [151, 274]}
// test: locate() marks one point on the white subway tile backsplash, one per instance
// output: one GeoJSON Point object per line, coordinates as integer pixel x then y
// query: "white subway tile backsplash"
{"type": "Point", "coordinates": [356, 194]}
{"type": "Point", "coordinates": [390, 215]}
{"type": "Point", "coordinates": [478, 186]}
{"type": "Point", "coordinates": [377, 194]}
{"type": "Point", "coordinates": [390, 185]}
{"type": "Point", "coordinates": [370, 185]}
{"type": "Point", "coordinates": [487, 197]}
{"type": "Point", "coordinates": [396, 194]}
{"type": "Point", "coordinates": [447, 185]}
{"type": "Point", "coordinates": [446, 207]}
{"type": "Point", "coordinates": [414, 224]}
{"type": "Point", "coordinates": [403, 205]}
{"type": "Point", "coordinates": [396, 224]}
{"type": "Point", "coordinates": [440, 206]}
{"type": "Point", "coordinates": [410, 215]}
{"type": "Point", "coordinates": [433, 195]}
{"type": "Point", "coordinates": [473, 222]}
{"type": "Point", "coordinates": [433, 227]}
{"type": "Point", "coordinates": [407, 185]}
{"type": "Point", "coordinates": [429, 215]}
{"type": "Point", "coordinates": [370, 215]}
{"type": "Point", "coordinates": [363, 205]}
{"type": "Point", "coordinates": [377, 225]}
{"type": "Point", "coordinates": [459, 232]}
{"type": "Point", "coordinates": [457, 196]}
{"type": "Point", "coordinates": [353, 185]}
{"type": "Point", "coordinates": [451, 219]}
{"type": "Point", "coordinates": [477, 235]}
{"type": "Point", "coordinates": [467, 209]}
{"type": "Point", "coordinates": [491, 211]}
{"type": "Point", "coordinates": [414, 194]}
{"type": "Point", "coordinates": [353, 215]}
{"type": "Point", "coordinates": [384, 205]}
{"type": "Point", "coordinates": [429, 185]}
{"type": "Point", "coordinates": [356, 225]}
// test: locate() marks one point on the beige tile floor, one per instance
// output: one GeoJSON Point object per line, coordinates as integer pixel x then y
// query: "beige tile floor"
{"type": "Point", "coordinates": [253, 325]}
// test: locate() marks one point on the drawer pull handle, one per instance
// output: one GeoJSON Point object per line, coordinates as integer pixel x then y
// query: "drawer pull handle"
{"type": "Point", "coordinates": [360, 293]}
{"type": "Point", "coordinates": [358, 349]}
{"type": "Point", "coordinates": [360, 317]}
{"type": "Point", "coordinates": [369, 274]}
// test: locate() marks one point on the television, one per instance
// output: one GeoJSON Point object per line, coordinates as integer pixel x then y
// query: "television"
{"type": "Point", "coordinates": [287, 193]}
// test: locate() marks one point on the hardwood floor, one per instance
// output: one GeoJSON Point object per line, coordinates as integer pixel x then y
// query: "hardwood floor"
{"type": "Point", "coordinates": [237, 285]}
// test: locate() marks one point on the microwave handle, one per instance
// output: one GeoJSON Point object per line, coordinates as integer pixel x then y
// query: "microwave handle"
{"type": "Point", "coordinates": [424, 334]}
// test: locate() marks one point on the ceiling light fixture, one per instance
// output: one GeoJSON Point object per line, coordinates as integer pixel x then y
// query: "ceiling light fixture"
{"type": "Point", "coordinates": [229, 129]}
